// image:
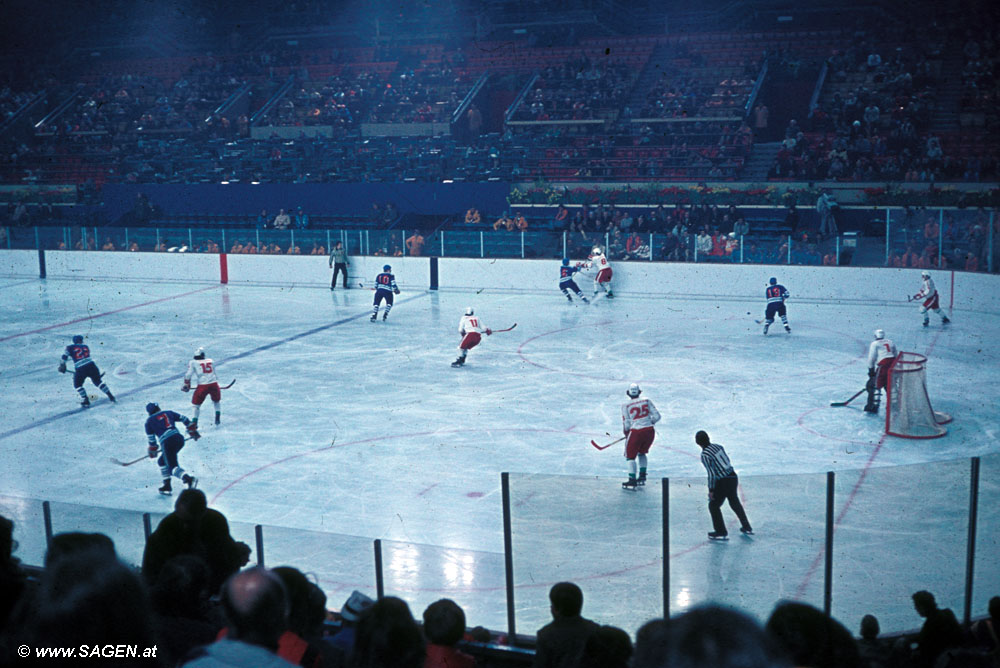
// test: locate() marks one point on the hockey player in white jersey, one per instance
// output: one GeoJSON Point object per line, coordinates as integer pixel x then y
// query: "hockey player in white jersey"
{"type": "Point", "coordinates": [202, 370]}
{"type": "Point", "coordinates": [471, 328]}
{"type": "Point", "coordinates": [881, 354]}
{"type": "Point", "coordinates": [599, 262]}
{"type": "Point", "coordinates": [638, 418]}
{"type": "Point", "coordinates": [931, 300]}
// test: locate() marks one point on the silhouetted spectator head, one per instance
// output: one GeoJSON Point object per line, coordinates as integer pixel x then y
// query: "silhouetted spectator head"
{"type": "Point", "coordinates": [994, 607]}
{"type": "Point", "coordinates": [869, 627]}
{"type": "Point", "coordinates": [388, 637]}
{"type": "Point", "coordinates": [256, 607]}
{"type": "Point", "coordinates": [444, 622]}
{"type": "Point", "coordinates": [607, 647]}
{"type": "Point", "coordinates": [924, 603]}
{"type": "Point", "coordinates": [710, 635]}
{"type": "Point", "coordinates": [191, 503]}
{"type": "Point", "coordinates": [812, 639]}
{"type": "Point", "coordinates": [88, 597]}
{"type": "Point", "coordinates": [566, 599]}
{"type": "Point", "coordinates": [306, 602]}
{"type": "Point", "coordinates": [7, 543]}
{"type": "Point", "coordinates": [73, 542]}
{"type": "Point", "coordinates": [181, 588]}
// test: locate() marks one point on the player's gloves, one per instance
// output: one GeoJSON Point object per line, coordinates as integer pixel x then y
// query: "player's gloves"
{"type": "Point", "coordinates": [62, 367]}
{"type": "Point", "coordinates": [151, 451]}
{"type": "Point", "coordinates": [488, 331]}
{"type": "Point", "coordinates": [871, 373]}
{"type": "Point", "coordinates": [396, 291]}
{"type": "Point", "coordinates": [187, 386]}
{"type": "Point", "coordinates": [193, 432]}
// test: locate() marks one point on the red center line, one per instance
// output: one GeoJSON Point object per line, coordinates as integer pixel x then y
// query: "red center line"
{"type": "Point", "coordinates": [800, 592]}
{"type": "Point", "coordinates": [101, 315]}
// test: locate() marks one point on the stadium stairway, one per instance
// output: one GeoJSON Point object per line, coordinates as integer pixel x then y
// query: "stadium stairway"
{"type": "Point", "coordinates": [760, 161]}
{"type": "Point", "coordinates": [656, 66]}
{"type": "Point", "coordinates": [949, 94]}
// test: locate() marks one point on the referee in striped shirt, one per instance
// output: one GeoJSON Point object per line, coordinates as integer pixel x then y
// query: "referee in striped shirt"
{"type": "Point", "coordinates": [722, 486]}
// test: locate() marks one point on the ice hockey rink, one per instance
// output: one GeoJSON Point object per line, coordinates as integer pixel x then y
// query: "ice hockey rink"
{"type": "Point", "coordinates": [339, 431]}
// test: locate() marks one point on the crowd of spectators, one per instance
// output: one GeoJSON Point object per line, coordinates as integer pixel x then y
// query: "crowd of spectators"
{"type": "Point", "coordinates": [427, 95]}
{"type": "Point", "coordinates": [196, 607]}
{"type": "Point", "coordinates": [576, 90]}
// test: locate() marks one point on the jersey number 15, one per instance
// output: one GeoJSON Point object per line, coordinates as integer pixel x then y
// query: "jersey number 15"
{"type": "Point", "coordinates": [206, 367]}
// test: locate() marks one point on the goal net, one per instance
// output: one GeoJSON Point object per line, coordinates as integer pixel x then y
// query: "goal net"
{"type": "Point", "coordinates": [909, 413]}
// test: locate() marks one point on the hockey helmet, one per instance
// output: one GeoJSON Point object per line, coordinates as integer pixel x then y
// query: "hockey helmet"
{"type": "Point", "coordinates": [565, 262]}
{"type": "Point", "coordinates": [386, 268]}
{"type": "Point", "coordinates": [152, 407]}
{"type": "Point", "coordinates": [772, 281]}
{"type": "Point", "coordinates": [468, 310]}
{"type": "Point", "coordinates": [77, 339]}
{"type": "Point", "coordinates": [596, 251]}
{"type": "Point", "coordinates": [879, 334]}
{"type": "Point", "coordinates": [633, 390]}
{"type": "Point", "coordinates": [925, 274]}
{"type": "Point", "coordinates": [199, 354]}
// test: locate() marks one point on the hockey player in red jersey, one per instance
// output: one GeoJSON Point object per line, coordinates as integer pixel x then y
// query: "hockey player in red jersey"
{"type": "Point", "coordinates": [202, 369]}
{"type": "Point", "coordinates": [638, 418]}
{"type": "Point", "coordinates": [881, 354]}
{"type": "Point", "coordinates": [598, 261]}
{"type": "Point", "coordinates": [471, 328]}
{"type": "Point", "coordinates": [931, 300]}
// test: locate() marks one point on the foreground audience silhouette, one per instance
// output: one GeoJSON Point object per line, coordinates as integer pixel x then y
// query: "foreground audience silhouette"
{"type": "Point", "coordinates": [256, 609]}
{"type": "Point", "coordinates": [444, 626]}
{"type": "Point", "coordinates": [707, 636]}
{"type": "Point", "coordinates": [560, 643]}
{"type": "Point", "coordinates": [388, 637]}
{"type": "Point", "coordinates": [810, 638]}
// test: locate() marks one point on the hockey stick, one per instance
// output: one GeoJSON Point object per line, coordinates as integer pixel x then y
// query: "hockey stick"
{"type": "Point", "coordinates": [853, 397]}
{"type": "Point", "coordinates": [226, 387]}
{"type": "Point", "coordinates": [134, 461]}
{"type": "Point", "coordinates": [605, 447]}
{"type": "Point", "coordinates": [505, 330]}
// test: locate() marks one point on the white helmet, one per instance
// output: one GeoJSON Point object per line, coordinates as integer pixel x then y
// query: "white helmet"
{"type": "Point", "coordinates": [925, 274]}
{"type": "Point", "coordinates": [468, 310]}
{"type": "Point", "coordinates": [199, 353]}
{"type": "Point", "coordinates": [597, 251]}
{"type": "Point", "coordinates": [879, 334]}
{"type": "Point", "coordinates": [633, 390]}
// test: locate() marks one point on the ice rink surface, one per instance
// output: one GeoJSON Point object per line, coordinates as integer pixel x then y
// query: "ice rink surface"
{"type": "Point", "coordinates": [339, 431]}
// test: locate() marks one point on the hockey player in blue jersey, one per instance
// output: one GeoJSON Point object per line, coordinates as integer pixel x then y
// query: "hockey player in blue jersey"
{"type": "Point", "coordinates": [776, 295]}
{"type": "Point", "coordinates": [161, 426]}
{"type": "Point", "coordinates": [385, 287]}
{"type": "Point", "coordinates": [84, 368]}
{"type": "Point", "coordinates": [566, 282]}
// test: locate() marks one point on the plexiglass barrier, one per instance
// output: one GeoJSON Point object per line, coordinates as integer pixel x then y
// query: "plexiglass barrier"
{"type": "Point", "coordinates": [895, 531]}
{"type": "Point", "coordinates": [942, 238]}
{"type": "Point", "coordinates": [422, 574]}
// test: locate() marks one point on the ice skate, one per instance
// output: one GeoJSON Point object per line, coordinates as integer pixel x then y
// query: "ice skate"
{"type": "Point", "coordinates": [459, 362]}
{"type": "Point", "coordinates": [610, 294]}
{"type": "Point", "coordinates": [788, 329]}
{"type": "Point", "coordinates": [166, 489]}
{"type": "Point", "coordinates": [715, 535]}
{"type": "Point", "coordinates": [926, 322]}
{"type": "Point", "coordinates": [642, 479]}
{"type": "Point", "coordinates": [746, 531]}
{"type": "Point", "coordinates": [945, 320]}
{"type": "Point", "coordinates": [585, 300]}
{"type": "Point", "coordinates": [385, 316]}
{"type": "Point", "coordinates": [765, 329]}
{"type": "Point", "coordinates": [85, 403]}
{"type": "Point", "coordinates": [218, 419]}
{"type": "Point", "coordinates": [189, 480]}
{"type": "Point", "coordinates": [372, 319]}
{"type": "Point", "coordinates": [631, 484]}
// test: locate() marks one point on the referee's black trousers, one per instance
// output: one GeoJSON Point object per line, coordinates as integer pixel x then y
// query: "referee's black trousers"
{"type": "Point", "coordinates": [726, 490]}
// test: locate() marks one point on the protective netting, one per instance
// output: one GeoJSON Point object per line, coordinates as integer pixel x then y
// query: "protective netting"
{"type": "Point", "coordinates": [909, 413]}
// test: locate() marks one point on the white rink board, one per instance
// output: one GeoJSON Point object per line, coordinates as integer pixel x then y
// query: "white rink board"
{"type": "Point", "coordinates": [183, 267]}
{"type": "Point", "coordinates": [18, 263]}
{"type": "Point", "coordinates": [411, 272]}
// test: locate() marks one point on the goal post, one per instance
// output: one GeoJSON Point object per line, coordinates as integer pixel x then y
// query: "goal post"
{"type": "Point", "coordinates": [909, 413]}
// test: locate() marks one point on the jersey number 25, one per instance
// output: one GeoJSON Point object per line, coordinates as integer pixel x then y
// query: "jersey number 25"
{"type": "Point", "coordinates": [639, 411]}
